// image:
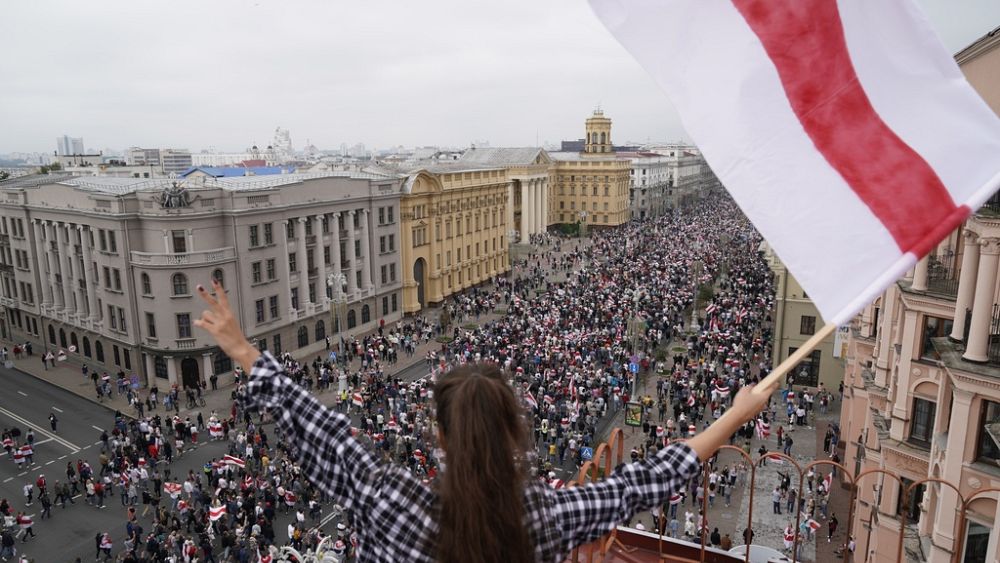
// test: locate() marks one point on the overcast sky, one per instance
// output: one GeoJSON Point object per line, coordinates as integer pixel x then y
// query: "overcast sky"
{"type": "Point", "coordinates": [225, 73]}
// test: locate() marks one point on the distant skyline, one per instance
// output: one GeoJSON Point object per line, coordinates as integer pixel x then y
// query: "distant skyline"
{"type": "Point", "coordinates": [225, 73]}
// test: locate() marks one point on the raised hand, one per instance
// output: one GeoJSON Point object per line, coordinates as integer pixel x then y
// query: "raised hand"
{"type": "Point", "coordinates": [220, 322]}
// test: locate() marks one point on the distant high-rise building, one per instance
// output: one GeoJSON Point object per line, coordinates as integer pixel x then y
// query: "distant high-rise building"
{"type": "Point", "coordinates": [175, 160]}
{"type": "Point", "coordinates": [66, 145]}
{"type": "Point", "coordinates": [145, 157]}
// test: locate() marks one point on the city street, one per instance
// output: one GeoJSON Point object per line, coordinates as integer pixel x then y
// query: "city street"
{"type": "Point", "coordinates": [26, 403]}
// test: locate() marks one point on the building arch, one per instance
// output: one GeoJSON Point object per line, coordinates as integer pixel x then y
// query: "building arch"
{"type": "Point", "coordinates": [352, 319]}
{"type": "Point", "coordinates": [320, 330]}
{"type": "Point", "coordinates": [99, 351]}
{"type": "Point", "coordinates": [366, 314]}
{"type": "Point", "coordinates": [303, 336]}
{"type": "Point", "coordinates": [74, 342]}
{"type": "Point", "coordinates": [52, 335]}
{"type": "Point", "coordinates": [86, 347]}
{"type": "Point", "coordinates": [62, 338]}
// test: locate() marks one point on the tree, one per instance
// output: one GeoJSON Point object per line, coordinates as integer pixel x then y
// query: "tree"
{"type": "Point", "coordinates": [4, 175]}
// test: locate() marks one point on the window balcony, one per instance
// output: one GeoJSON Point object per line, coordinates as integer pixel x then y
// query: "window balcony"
{"type": "Point", "coordinates": [202, 258]}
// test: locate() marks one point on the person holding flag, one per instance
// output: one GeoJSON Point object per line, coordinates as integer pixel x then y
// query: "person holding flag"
{"type": "Point", "coordinates": [483, 493]}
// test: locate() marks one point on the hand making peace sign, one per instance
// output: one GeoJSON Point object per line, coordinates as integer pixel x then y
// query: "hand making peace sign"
{"type": "Point", "coordinates": [220, 322]}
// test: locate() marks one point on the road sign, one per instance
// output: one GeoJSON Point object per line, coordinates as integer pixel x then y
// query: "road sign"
{"type": "Point", "coordinates": [633, 367]}
{"type": "Point", "coordinates": [587, 454]}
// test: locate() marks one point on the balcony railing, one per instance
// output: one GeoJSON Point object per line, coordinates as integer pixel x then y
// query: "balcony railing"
{"type": "Point", "coordinates": [187, 259]}
{"type": "Point", "coordinates": [992, 205]}
{"type": "Point", "coordinates": [941, 275]}
{"type": "Point", "coordinates": [621, 541]}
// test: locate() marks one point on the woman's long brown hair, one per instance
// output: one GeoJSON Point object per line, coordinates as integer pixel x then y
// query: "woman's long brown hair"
{"type": "Point", "coordinates": [482, 486]}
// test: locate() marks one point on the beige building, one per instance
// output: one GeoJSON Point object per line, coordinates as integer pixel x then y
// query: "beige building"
{"type": "Point", "coordinates": [923, 389]}
{"type": "Point", "coordinates": [528, 170]}
{"type": "Point", "coordinates": [591, 187]}
{"type": "Point", "coordinates": [796, 319]}
{"type": "Point", "coordinates": [106, 268]}
{"type": "Point", "coordinates": [455, 223]}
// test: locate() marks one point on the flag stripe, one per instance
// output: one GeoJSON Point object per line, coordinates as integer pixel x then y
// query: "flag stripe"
{"type": "Point", "coordinates": [819, 79]}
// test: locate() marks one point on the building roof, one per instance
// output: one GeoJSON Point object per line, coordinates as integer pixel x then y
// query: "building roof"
{"type": "Point", "coordinates": [229, 171]}
{"type": "Point", "coordinates": [502, 156]}
{"type": "Point", "coordinates": [979, 46]}
{"type": "Point", "coordinates": [579, 157]}
{"type": "Point", "coordinates": [122, 186]}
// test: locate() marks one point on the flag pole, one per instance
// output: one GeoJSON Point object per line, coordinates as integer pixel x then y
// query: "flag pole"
{"type": "Point", "coordinates": [768, 384]}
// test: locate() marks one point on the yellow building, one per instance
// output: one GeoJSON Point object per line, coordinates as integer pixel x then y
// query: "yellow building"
{"type": "Point", "coordinates": [796, 319]}
{"type": "Point", "coordinates": [454, 225]}
{"type": "Point", "coordinates": [591, 187]}
{"type": "Point", "coordinates": [528, 170]}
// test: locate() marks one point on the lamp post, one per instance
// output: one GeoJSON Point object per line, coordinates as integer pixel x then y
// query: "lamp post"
{"type": "Point", "coordinates": [583, 223]}
{"type": "Point", "coordinates": [696, 267]}
{"type": "Point", "coordinates": [338, 281]}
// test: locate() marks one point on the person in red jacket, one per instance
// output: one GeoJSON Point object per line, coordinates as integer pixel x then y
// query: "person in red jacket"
{"type": "Point", "coordinates": [25, 522]}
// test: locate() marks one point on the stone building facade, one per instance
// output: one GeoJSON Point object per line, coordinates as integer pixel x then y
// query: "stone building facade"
{"type": "Point", "coordinates": [106, 268]}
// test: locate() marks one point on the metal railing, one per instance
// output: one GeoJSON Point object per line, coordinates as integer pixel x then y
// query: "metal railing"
{"type": "Point", "coordinates": [942, 276]}
{"type": "Point", "coordinates": [612, 454]}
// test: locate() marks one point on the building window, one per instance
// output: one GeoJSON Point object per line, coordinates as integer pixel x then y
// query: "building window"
{"type": "Point", "coordinates": [277, 344]}
{"type": "Point", "coordinates": [102, 237]}
{"type": "Point", "coordinates": [392, 272]}
{"type": "Point", "coordinates": [295, 298]}
{"type": "Point", "coordinates": [111, 317]}
{"type": "Point", "coordinates": [320, 330]}
{"type": "Point", "coordinates": [147, 286]}
{"type": "Point", "coordinates": [112, 243]}
{"type": "Point", "coordinates": [395, 304]}
{"type": "Point", "coordinates": [381, 215]}
{"type": "Point", "coordinates": [259, 306]}
{"type": "Point", "coordinates": [268, 233]}
{"type": "Point", "coordinates": [121, 319]}
{"type": "Point", "coordinates": [366, 314]}
{"type": "Point", "coordinates": [912, 504]}
{"type": "Point", "coordinates": [934, 327]}
{"type": "Point", "coordinates": [262, 343]}
{"type": "Point", "coordinates": [223, 363]}
{"type": "Point", "coordinates": [150, 325]}
{"type": "Point", "coordinates": [385, 306]}
{"type": "Point", "coordinates": [384, 270]}
{"type": "Point", "coordinates": [179, 241]}
{"type": "Point", "coordinates": [160, 367]}
{"type": "Point", "coordinates": [977, 539]}
{"type": "Point", "coordinates": [183, 325]}
{"type": "Point", "coordinates": [392, 243]}
{"type": "Point", "coordinates": [273, 306]}
{"type": "Point", "coordinates": [292, 264]}
{"type": "Point", "coordinates": [807, 372]}
{"type": "Point", "coordinates": [270, 269]}
{"type": "Point", "coordinates": [303, 337]}
{"type": "Point", "coordinates": [255, 272]}
{"type": "Point", "coordinates": [180, 283]}
{"type": "Point", "coordinates": [99, 351]}
{"type": "Point", "coordinates": [352, 319]}
{"type": "Point", "coordinates": [986, 444]}
{"type": "Point", "coordinates": [390, 212]}
{"type": "Point", "coordinates": [290, 229]}
{"type": "Point", "coordinates": [254, 236]}
{"type": "Point", "coordinates": [219, 276]}
{"type": "Point", "coordinates": [807, 324]}
{"type": "Point", "coordinates": [381, 244]}
{"type": "Point", "coordinates": [118, 279]}
{"type": "Point", "coordinates": [922, 423]}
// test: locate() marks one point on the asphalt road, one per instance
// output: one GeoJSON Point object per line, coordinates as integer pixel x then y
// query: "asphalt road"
{"type": "Point", "coordinates": [26, 401]}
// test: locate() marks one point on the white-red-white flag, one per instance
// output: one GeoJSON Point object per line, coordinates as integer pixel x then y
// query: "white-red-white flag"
{"type": "Point", "coordinates": [172, 489]}
{"type": "Point", "coordinates": [843, 129]}
{"type": "Point", "coordinates": [233, 460]}
{"type": "Point", "coordinates": [216, 512]}
{"type": "Point", "coordinates": [531, 400]}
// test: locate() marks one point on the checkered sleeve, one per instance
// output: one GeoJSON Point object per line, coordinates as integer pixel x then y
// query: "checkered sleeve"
{"type": "Point", "coordinates": [321, 438]}
{"type": "Point", "coordinates": [586, 513]}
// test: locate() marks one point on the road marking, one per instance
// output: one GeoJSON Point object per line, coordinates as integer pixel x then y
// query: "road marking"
{"type": "Point", "coordinates": [98, 428]}
{"type": "Point", "coordinates": [57, 409]}
{"type": "Point", "coordinates": [64, 457]}
{"type": "Point", "coordinates": [8, 479]}
{"type": "Point", "coordinates": [22, 474]}
{"type": "Point", "coordinates": [43, 441]}
{"type": "Point", "coordinates": [40, 430]}
{"type": "Point", "coordinates": [97, 443]}
{"type": "Point", "coordinates": [22, 393]}
{"type": "Point", "coordinates": [50, 462]}
{"type": "Point", "coordinates": [76, 497]}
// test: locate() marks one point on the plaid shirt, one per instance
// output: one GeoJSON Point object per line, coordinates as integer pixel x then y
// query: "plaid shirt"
{"type": "Point", "coordinates": [395, 512]}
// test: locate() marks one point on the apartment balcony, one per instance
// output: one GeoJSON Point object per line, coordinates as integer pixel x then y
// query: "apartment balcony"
{"type": "Point", "coordinates": [202, 258]}
{"type": "Point", "coordinates": [951, 355]}
{"type": "Point", "coordinates": [186, 343]}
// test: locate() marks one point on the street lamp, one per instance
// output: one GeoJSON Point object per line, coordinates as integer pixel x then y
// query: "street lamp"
{"type": "Point", "coordinates": [696, 267]}
{"type": "Point", "coordinates": [338, 281]}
